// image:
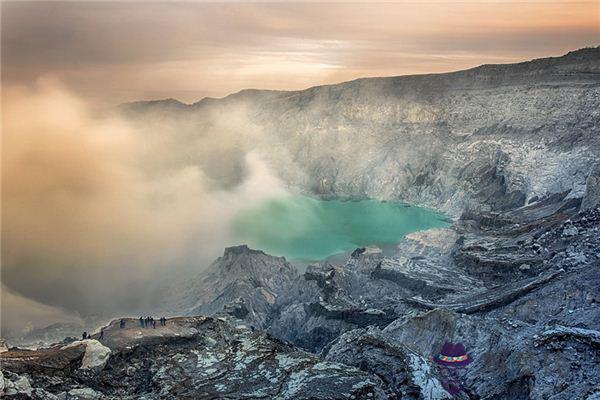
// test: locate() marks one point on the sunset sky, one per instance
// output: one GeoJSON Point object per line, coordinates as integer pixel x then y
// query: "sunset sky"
{"type": "Point", "coordinates": [95, 208]}
{"type": "Point", "coordinates": [116, 51]}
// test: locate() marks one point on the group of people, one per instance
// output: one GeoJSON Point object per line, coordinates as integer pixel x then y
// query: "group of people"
{"type": "Point", "coordinates": [146, 322]}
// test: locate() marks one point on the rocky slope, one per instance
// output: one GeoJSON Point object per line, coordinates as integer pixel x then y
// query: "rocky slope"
{"type": "Point", "coordinates": [518, 288]}
{"type": "Point", "coordinates": [191, 358]}
{"type": "Point", "coordinates": [511, 151]}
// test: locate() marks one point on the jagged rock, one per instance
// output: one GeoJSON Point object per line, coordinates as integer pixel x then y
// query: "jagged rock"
{"type": "Point", "coordinates": [507, 364]}
{"type": "Point", "coordinates": [490, 299]}
{"type": "Point", "coordinates": [358, 252]}
{"type": "Point", "coordinates": [14, 385]}
{"type": "Point", "coordinates": [323, 276]}
{"type": "Point", "coordinates": [531, 337]}
{"type": "Point", "coordinates": [563, 333]}
{"type": "Point", "coordinates": [506, 150]}
{"type": "Point", "coordinates": [244, 283]}
{"type": "Point", "coordinates": [525, 267]}
{"type": "Point", "coordinates": [406, 375]}
{"type": "Point", "coordinates": [518, 349]}
{"type": "Point", "coordinates": [493, 136]}
{"type": "Point", "coordinates": [84, 394]}
{"type": "Point", "coordinates": [56, 357]}
{"type": "Point", "coordinates": [570, 231]}
{"type": "Point", "coordinates": [197, 357]}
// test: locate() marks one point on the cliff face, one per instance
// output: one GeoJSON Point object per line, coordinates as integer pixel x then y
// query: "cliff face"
{"type": "Point", "coordinates": [494, 136]}
{"type": "Point", "coordinates": [512, 151]}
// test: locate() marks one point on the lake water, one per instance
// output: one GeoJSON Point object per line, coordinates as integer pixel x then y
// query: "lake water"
{"type": "Point", "coordinates": [306, 229]}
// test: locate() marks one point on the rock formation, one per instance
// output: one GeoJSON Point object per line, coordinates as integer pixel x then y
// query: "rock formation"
{"type": "Point", "coordinates": [510, 151]}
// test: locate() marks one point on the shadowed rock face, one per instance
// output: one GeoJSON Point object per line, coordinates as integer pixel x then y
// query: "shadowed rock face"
{"type": "Point", "coordinates": [591, 199]}
{"type": "Point", "coordinates": [508, 150]}
{"type": "Point", "coordinates": [244, 283]}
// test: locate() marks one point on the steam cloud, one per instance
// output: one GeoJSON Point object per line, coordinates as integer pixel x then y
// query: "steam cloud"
{"type": "Point", "coordinates": [98, 212]}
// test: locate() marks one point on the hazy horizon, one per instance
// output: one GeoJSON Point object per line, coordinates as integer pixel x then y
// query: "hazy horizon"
{"type": "Point", "coordinates": [111, 53]}
{"type": "Point", "coordinates": [192, 101]}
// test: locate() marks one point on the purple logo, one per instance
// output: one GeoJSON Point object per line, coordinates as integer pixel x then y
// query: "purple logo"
{"type": "Point", "coordinates": [452, 360]}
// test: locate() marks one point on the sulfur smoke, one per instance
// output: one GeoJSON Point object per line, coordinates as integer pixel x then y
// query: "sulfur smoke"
{"type": "Point", "coordinates": [99, 212]}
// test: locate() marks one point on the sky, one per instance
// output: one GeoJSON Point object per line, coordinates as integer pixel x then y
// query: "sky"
{"type": "Point", "coordinates": [111, 52]}
{"type": "Point", "coordinates": [95, 209]}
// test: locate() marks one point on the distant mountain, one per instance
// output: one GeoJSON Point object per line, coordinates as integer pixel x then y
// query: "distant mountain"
{"type": "Point", "coordinates": [576, 65]}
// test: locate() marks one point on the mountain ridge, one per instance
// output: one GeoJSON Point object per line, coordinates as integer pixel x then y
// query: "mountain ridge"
{"type": "Point", "coordinates": [582, 53]}
{"type": "Point", "coordinates": [491, 136]}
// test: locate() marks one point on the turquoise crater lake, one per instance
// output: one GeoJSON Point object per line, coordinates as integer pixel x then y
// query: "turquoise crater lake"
{"type": "Point", "coordinates": [307, 229]}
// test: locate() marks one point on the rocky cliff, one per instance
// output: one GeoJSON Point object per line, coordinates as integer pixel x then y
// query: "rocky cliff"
{"type": "Point", "coordinates": [495, 136]}
{"type": "Point", "coordinates": [511, 151]}
{"type": "Point", "coordinates": [244, 283]}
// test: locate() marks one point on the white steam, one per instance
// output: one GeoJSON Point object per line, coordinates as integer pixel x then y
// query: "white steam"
{"type": "Point", "coordinates": [97, 212]}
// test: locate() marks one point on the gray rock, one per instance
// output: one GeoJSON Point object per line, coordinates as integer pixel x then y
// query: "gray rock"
{"type": "Point", "coordinates": [406, 374]}
{"type": "Point", "coordinates": [591, 199]}
{"type": "Point", "coordinates": [14, 385]}
{"type": "Point", "coordinates": [244, 283]}
{"type": "Point", "coordinates": [570, 231]}
{"type": "Point", "coordinates": [492, 136]}
{"type": "Point", "coordinates": [525, 267]}
{"type": "Point", "coordinates": [83, 394]}
{"type": "Point", "coordinates": [196, 357]}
